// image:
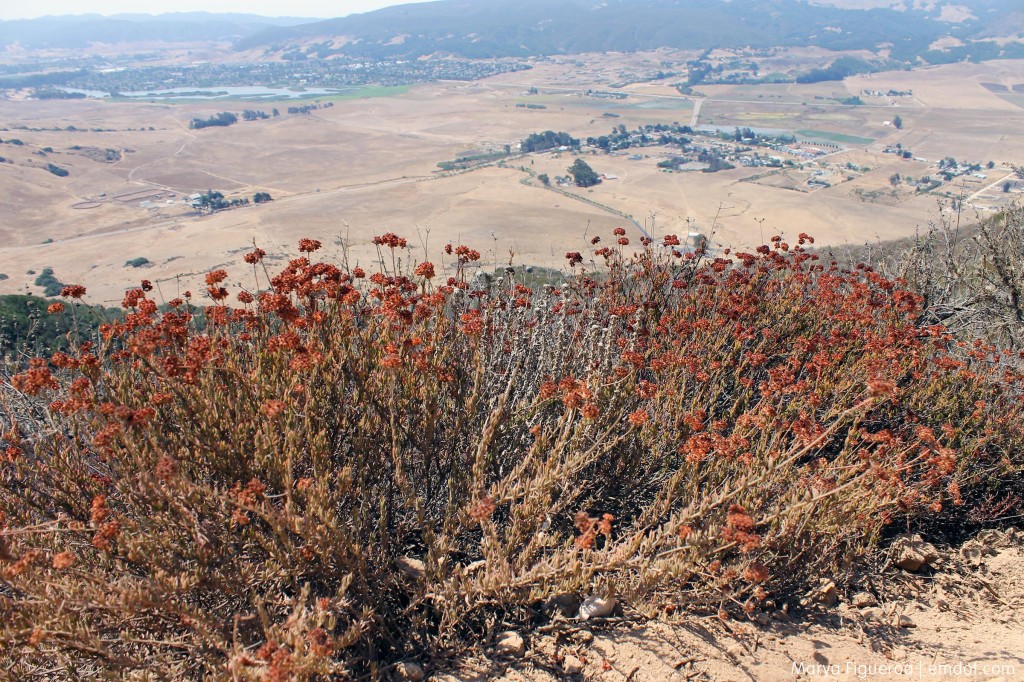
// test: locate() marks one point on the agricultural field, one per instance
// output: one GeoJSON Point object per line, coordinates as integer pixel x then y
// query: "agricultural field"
{"type": "Point", "coordinates": [368, 163]}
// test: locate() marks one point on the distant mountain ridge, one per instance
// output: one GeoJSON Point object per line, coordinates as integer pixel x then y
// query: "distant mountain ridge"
{"type": "Point", "coordinates": [522, 28]}
{"type": "Point", "coordinates": [79, 31]}
{"type": "Point", "coordinates": [516, 28]}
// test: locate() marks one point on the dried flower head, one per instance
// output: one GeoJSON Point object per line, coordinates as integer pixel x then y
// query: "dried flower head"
{"type": "Point", "coordinates": [756, 573]}
{"type": "Point", "coordinates": [63, 560]}
{"type": "Point", "coordinates": [880, 388]}
{"type": "Point", "coordinates": [483, 509]}
{"type": "Point", "coordinates": [273, 408]}
{"type": "Point", "coordinates": [73, 291]}
{"type": "Point", "coordinates": [639, 417]}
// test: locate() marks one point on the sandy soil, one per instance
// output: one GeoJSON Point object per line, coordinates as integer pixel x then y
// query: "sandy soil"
{"type": "Point", "coordinates": [965, 621]}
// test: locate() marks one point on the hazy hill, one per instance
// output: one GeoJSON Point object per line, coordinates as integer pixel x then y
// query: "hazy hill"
{"type": "Point", "coordinates": [80, 31]}
{"type": "Point", "coordinates": [508, 28]}
{"type": "Point", "coordinates": [495, 28]}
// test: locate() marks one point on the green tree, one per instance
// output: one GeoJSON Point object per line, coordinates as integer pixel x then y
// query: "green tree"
{"type": "Point", "coordinates": [549, 139]}
{"type": "Point", "coordinates": [1006, 187]}
{"type": "Point", "coordinates": [224, 118]}
{"type": "Point", "coordinates": [210, 202]}
{"type": "Point", "coordinates": [261, 198]}
{"type": "Point", "coordinates": [49, 282]}
{"type": "Point", "coordinates": [898, 122]}
{"type": "Point", "coordinates": [583, 175]}
{"type": "Point", "coordinates": [894, 179]}
{"type": "Point", "coordinates": [543, 177]}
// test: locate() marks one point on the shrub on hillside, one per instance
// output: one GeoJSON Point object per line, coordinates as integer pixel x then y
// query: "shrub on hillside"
{"type": "Point", "coordinates": [27, 329]}
{"type": "Point", "coordinates": [341, 472]}
{"type": "Point", "coordinates": [970, 279]}
{"type": "Point", "coordinates": [49, 282]}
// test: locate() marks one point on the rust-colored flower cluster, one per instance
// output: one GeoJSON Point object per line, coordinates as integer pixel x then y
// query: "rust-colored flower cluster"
{"type": "Point", "coordinates": [590, 528]}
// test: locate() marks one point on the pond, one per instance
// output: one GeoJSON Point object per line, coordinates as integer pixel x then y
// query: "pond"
{"type": "Point", "coordinates": [256, 92]}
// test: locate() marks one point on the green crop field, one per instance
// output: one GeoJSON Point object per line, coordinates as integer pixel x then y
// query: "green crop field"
{"type": "Point", "coordinates": [835, 137]}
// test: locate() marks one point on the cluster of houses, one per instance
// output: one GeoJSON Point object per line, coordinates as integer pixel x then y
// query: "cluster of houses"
{"type": "Point", "coordinates": [887, 93]}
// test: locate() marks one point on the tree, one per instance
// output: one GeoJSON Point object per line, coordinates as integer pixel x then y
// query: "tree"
{"type": "Point", "coordinates": [538, 142]}
{"type": "Point", "coordinates": [261, 198]}
{"type": "Point", "coordinates": [545, 180]}
{"type": "Point", "coordinates": [898, 122]}
{"type": "Point", "coordinates": [1006, 187]}
{"type": "Point", "coordinates": [894, 179]}
{"type": "Point", "coordinates": [224, 118]}
{"type": "Point", "coordinates": [583, 175]}
{"type": "Point", "coordinates": [210, 202]}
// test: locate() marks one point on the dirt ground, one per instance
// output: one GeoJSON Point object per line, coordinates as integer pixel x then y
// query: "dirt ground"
{"type": "Point", "coordinates": [964, 619]}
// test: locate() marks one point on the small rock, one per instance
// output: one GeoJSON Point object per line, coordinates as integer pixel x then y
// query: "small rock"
{"type": "Point", "coordinates": [566, 604]}
{"type": "Point", "coordinates": [992, 538]}
{"type": "Point", "coordinates": [826, 593]}
{"type": "Point", "coordinates": [762, 618]}
{"type": "Point", "coordinates": [906, 622]}
{"type": "Point", "coordinates": [572, 665]}
{"type": "Point", "coordinates": [413, 568]}
{"type": "Point", "coordinates": [942, 605]}
{"type": "Point", "coordinates": [864, 599]}
{"type": "Point", "coordinates": [510, 644]}
{"type": "Point", "coordinates": [596, 607]}
{"type": "Point", "coordinates": [872, 613]}
{"type": "Point", "coordinates": [973, 552]}
{"type": "Point", "coordinates": [584, 637]}
{"type": "Point", "coordinates": [409, 671]}
{"type": "Point", "coordinates": [912, 553]}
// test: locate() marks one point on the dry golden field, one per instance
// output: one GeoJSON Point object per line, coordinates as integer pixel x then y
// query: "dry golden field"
{"type": "Point", "coordinates": [362, 167]}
